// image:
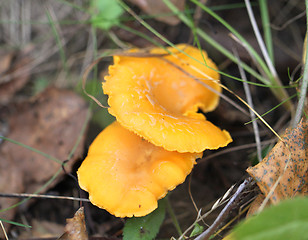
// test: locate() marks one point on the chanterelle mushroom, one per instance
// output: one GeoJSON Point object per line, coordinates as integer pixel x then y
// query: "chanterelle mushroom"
{"type": "Point", "coordinates": [126, 174]}
{"type": "Point", "coordinates": [158, 99]}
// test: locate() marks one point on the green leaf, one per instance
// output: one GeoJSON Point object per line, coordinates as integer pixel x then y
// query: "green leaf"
{"type": "Point", "coordinates": [39, 85]}
{"type": "Point", "coordinates": [105, 13]}
{"type": "Point", "coordinates": [287, 220]}
{"type": "Point", "coordinates": [198, 229]}
{"type": "Point", "coordinates": [147, 227]}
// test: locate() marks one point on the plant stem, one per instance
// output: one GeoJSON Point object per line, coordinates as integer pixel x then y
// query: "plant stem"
{"type": "Point", "coordinates": [270, 81]}
{"type": "Point", "coordinates": [252, 114]}
{"type": "Point", "coordinates": [267, 29]}
{"type": "Point", "coordinates": [304, 86]}
{"type": "Point", "coordinates": [281, 93]}
{"type": "Point", "coordinates": [173, 216]}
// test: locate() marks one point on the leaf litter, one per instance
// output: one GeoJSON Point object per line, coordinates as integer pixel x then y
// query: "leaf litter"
{"type": "Point", "coordinates": [75, 228]}
{"type": "Point", "coordinates": [51, 124]}
{"type": "Point", "coordinates": [11, 62]}
{"type": "Point", "coordinates": [283, 173]}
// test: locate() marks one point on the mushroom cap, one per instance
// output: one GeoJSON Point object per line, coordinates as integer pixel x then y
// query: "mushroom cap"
{"type": "Point", "coordinates": [126, 175]}
{"type": "Point", "coordinates": [159, 101]}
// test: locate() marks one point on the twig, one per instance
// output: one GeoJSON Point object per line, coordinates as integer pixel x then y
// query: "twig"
{"type": "Point", "coordinates": [287, 23]}
{"type": "Point", "coordinates": [3, 229]}
{"type": "Point", "coordinates": [235, 198]}
{"type": "Point", "coordinates": [29, 195]}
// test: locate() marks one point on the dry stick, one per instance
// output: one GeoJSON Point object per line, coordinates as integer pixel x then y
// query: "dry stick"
{"type": "Point", "coordinates": [249, 101]}
{"type": "Point", "coordinates": [287, 23]}
{"type": "Point", "coordinates": [235, 198]}
{"type": "Point", "coordinates": [3, 229]}
{"type": "Point", "coordinates": [28, 195]}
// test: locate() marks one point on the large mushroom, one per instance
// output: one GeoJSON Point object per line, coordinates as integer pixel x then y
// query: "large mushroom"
{"type": "Point", "coordinates": [159, 133]}
{"type": "Point", "coordinates": [126, 175]}
{"type": "Point", "coordinates": [158, 98]}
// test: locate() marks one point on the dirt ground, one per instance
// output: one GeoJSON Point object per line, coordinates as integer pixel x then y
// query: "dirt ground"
{"type": "Point", "coordinates": [45, 48]}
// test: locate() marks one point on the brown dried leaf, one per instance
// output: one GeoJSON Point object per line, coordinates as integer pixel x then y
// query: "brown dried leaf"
{"type": "Point", "coordinates": [159, 8]}
{"type": "Point", "coordinates": [51, 124]}
{"type": "Point", "coordinates": [41, 229]}
{"type": "Point", "coordinates": [287, 163]}
{"type": "Point", "coordinates": [9, 88]}
{"type": "Point", "coordinates": [75, 228]}
{"type": "Point", "coordinates": [5, 61]}
{"type": "Point", "coordinates": [255, 205]}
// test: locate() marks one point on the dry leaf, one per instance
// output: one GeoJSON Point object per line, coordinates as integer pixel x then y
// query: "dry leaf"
{"type": "Point", "coordinates": [160, 10]}
{"type": "Point", "coordinates": [6, 58]}
{"type": "Point", "coordinates": [9, 88]}
{"type": "Point", "coordinates": [75, 228]}
{"type": "Point", "coordinates": [41, 229]}
{"type": "Point", "coordinates": [51, 124]}
{"type": "Point", "coordinates": [255, 205]}
{"type": "Point", "coordinates": [287, 163]}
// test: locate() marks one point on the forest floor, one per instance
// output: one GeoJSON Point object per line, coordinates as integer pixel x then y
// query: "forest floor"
{"type": "Point", "coordinates": [47, 122]}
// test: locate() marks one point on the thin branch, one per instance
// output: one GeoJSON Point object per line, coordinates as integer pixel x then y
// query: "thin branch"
{"type": "Point", "coordinates": [235, 198]}
{"type": "Point", "coordinates": [40, 196]}
{"type": "Point", "coordinates": [3, 229]}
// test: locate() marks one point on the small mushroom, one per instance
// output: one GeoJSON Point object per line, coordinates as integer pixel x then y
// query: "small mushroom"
{"type": "Point", "coordinates": [126, 175]}
{"type": "Point", "coordinates": [158, 99]}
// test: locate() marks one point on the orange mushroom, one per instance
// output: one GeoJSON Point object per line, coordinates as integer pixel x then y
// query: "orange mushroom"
{"type": "Point", "coordinates": [126, 174]}
{"type": "Point", "coordinates": [158, 99]}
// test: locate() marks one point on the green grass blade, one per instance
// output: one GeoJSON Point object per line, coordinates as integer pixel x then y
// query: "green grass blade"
{"type": "Point", "coordinates": [238, 35]}
{"type": "Point", "coordinates": [206, 38]}
{"type": "Point", "coordinates": [32, 149]}
{"type": "Point", "coordinates": [15, 223]}
{"type": "Point", "coordinates": [304, 86]}
{"type": "Point", "coordinates": [267, 29]}
{"type": "Point", "coordinates": [272, 109]}
{"type": "Point", "coordinates": [215, 44]}
{"type": "Point", "coordinates": [57, 38]}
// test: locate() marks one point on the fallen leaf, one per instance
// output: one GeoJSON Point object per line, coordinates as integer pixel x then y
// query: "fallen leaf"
{"type": "Point", "coordinates": [41, 229]}
{"type": "Point", "coordinates": [255, 205]}
{"type": "Point", "coordinates": [286, 164]}
{"type": "Point", "coordinates": [75, 228]}
{"type": "Point", "coordinates": [50, 124]}
{"type": "Point", "coordinates": [5, 61]}
{"type": "Point", "coordinates": [159, 9]}
{"type": "Point", "coordinates": [11, 65]}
